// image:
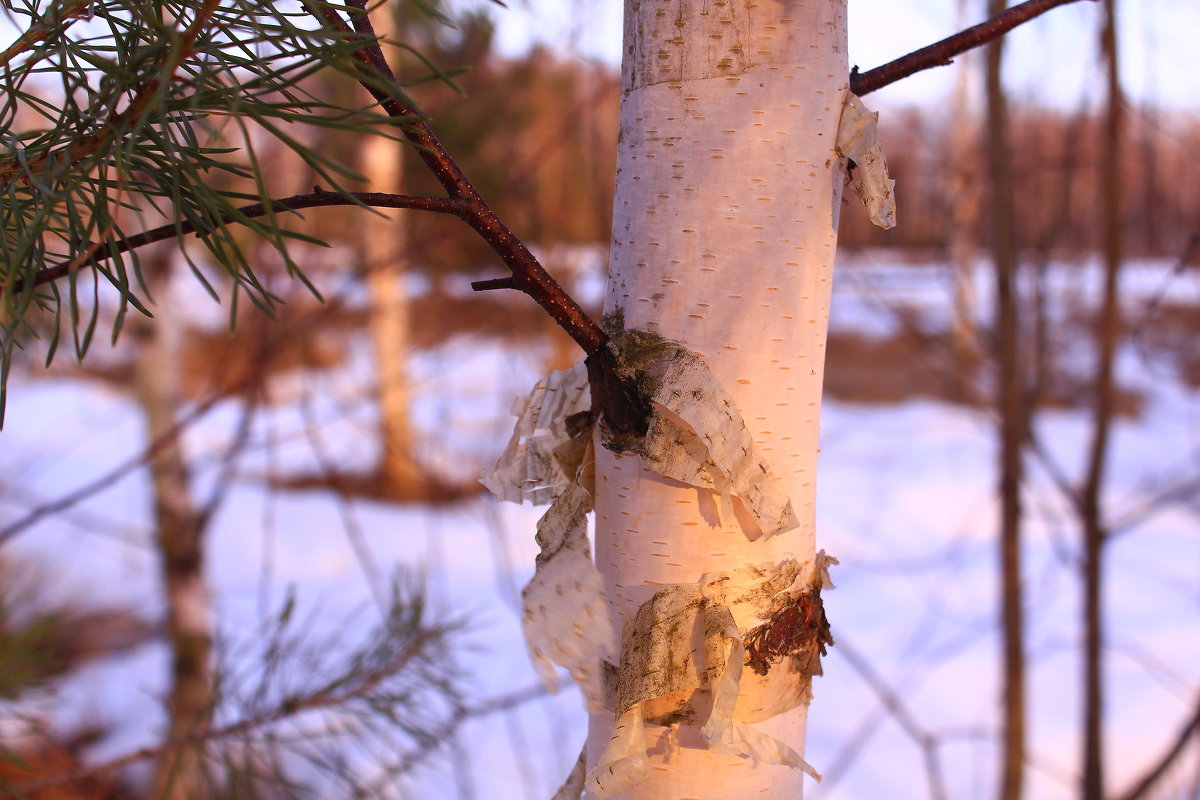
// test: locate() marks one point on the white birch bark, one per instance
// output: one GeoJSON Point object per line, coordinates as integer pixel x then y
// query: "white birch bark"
{"type": "Point", "coordinates": [384, 237]}
{"type": "Point", "coordinates": [965, 203]}
{"type": "Point", "coordinates": [724, 232]}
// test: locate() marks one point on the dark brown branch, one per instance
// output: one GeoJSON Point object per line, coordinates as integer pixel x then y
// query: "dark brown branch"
{"type": "Point", "coordinates": [41, 30]}
{"type": "Point", "coordinates": [942, 53]}
{"type": "Point", "coordinates": [1156, 772]}
{"type": "Point", "coordinates": [531, 277]}
{"type": "Point", "coordinates": [494, 283]}
{"type": "Point", "coordinates": [316, 199]}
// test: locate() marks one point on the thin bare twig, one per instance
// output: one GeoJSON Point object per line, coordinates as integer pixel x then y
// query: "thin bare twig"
{"type": "Point", "coordinates": [926, 741]}
{"type": "Point", "coordinates": [1180, 492]}
{"type": "Point", "coordinates": [1190, 251]}
{"type": "Point", "coordinates": [1156, 772]}
{"type": "Point", "coordinates": [273, 349]}
{"type": "Point", "coordinates": [941, 53]}
{"type": "Point", "coordinates": [376, 580]}
{"type": "Point", "coordinates": [251, 399]}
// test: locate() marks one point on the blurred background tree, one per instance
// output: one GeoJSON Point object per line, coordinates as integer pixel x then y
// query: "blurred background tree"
{"type": "Point", "coordinates": [277, 438]}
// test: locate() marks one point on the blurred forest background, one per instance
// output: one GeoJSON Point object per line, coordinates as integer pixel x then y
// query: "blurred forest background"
{"type": "Point", "coordinates": [246, 556]}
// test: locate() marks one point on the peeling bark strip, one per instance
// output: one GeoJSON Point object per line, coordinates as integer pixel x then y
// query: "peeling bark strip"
{"type": "Point", "coordinates": [858, 141]}
{"type": "Point", "coordinates": [682, 653]}
{"type": "Point", "coordinates": [564, 614]}
{"type": "Point", "coordinates": [695, 434]}
{"type": "Point", "coordinates": [572, 787]}
{"type": "Point", "coordinates": [540, 459]}
{"type": "Point", "coordinates": [681, 665]}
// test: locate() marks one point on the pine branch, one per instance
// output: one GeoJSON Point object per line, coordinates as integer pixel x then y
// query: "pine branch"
{"type": "Point", "coordinates": [119, 124]}
{"type": "Point", "coordinates": [40, 31]}
{"type": "Point", "coordinates": [129, 131]}
{"type": "Point", "coordinates": [403, 646]}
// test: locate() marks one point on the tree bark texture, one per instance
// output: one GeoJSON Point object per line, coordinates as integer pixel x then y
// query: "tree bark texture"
{"type": "Point", "coordinates": [724, 232]}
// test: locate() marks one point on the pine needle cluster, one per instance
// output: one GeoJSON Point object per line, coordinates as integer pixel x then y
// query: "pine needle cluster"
{"type": "Point", "coordinates": [128, 121]}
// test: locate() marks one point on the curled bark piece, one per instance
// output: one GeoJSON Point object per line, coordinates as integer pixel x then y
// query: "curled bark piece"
{"type": "Point", "coordinates": [799, 629]}
{"type": "Point", "coordinates": [749, 742]}
{"type": "Point", "coordinates": [659, 651]}
{"type": "Point", "coordinates": [796, 625]}
{"type": "Point", "coordinates": [696, 434]}
{"type": "Point", "coordinates": [552, 422]}
{"type": "Point", "coordinates": [858, 140]}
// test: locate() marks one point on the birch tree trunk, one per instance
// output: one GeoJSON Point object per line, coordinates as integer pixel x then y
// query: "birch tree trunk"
{"type": "Point", "coordinates": [398, 474]}
{"type": "Point", "coordinates": [965, 201]}
{"type": "Point", "coordinates": [724, 231]}
{"type": "Point", "coordinates": [382, 249]}
{"type": "Point", "coordinates": [179, 773]}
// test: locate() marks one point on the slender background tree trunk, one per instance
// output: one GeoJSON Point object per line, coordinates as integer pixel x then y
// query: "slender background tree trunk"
{"type": "Point", "coordinates": [1104, 398]}
{"type": "Point", "coordinates": [724, 234]}
{"type": "Point", "coordinates": [179, 525]}
{"type": "Point", "coordinates": [965, 198]}
{"type": "Point", "coordinates": [1010, 395]}
{"type": "Point", "coordinates": [382, 248]}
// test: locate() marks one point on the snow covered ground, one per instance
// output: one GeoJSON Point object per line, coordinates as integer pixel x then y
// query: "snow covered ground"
{"type": "Point", "coordinates": [906, 503]}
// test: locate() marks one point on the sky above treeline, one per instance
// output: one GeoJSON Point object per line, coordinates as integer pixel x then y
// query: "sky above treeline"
{"type": "Point", "coordinates": [1051, 61]}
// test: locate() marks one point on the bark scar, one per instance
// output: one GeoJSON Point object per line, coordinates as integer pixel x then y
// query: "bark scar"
{"type": "Point", "coordinates": [798, 629]}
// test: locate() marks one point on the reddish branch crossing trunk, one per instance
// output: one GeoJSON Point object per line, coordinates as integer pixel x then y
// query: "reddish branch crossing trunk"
{"type": "Point", "coordinates": [724, 232]}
